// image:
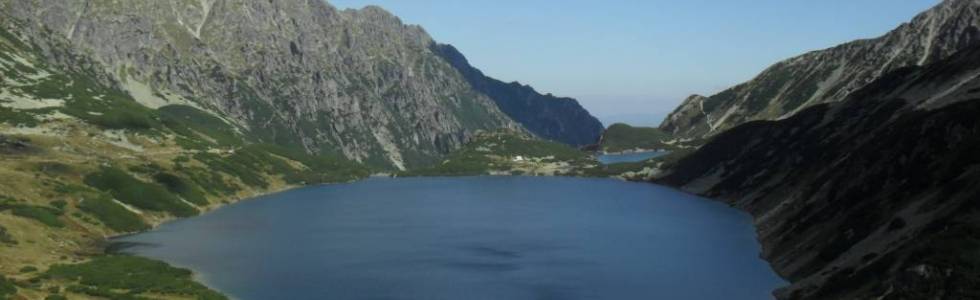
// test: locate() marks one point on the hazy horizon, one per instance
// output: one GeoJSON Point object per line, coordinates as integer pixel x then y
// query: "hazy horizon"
{"type": "Point", "coordinates": [634, 58]}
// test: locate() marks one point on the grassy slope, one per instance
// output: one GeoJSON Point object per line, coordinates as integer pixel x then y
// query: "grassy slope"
{"type": "Point", "coordinates": [622, 137]}
{"type": "Point", "coordinates": [97, 163]}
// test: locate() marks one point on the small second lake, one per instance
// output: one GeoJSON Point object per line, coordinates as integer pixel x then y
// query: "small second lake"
{"type": "Point", "coordinates": [609, 159]}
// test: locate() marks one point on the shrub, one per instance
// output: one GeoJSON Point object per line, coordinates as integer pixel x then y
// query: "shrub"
{"type": "Point", "coordinates": [5, 237]}
{"type": "Point", "coordinates": [46, 215]}
{"type": "Point", "coordinates": [28, 269]}
{"type": "Point", "coordinates": [130, 190]}
{"type": "Point", "coordinates": [180, 186]}
{"type": "Point", "coordinates": [107, 276]}
{"type": "Point", "coordinates": [622, 137]}
{"type": "Point", "coordinates": [6, 287]}
{"type": "Point", "coordinates": [190, 122]}
{"type": "Point", "coordinates": [113, 215]}
{"type": "Point", "coordinates": [59, 204]}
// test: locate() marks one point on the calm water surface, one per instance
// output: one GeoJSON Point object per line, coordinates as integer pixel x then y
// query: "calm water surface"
{"type": "Point", "coordinates": [471, 238]}
{"type": "Point", "coordinates": [608, 159]}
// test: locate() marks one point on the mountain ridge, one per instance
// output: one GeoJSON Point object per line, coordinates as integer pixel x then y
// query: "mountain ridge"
{"type": "Point", "coordinates": [831, 74]}
{"type": "Point", "coordinates": [872, 197]}
{"type": "Point", "coordinates": [357, 83]}
{"type": "Point", "coordinates": [555, 118]}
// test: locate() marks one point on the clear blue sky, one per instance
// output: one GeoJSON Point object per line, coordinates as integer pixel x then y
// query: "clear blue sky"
{"type": "Point", "coordinates": [622, 57]}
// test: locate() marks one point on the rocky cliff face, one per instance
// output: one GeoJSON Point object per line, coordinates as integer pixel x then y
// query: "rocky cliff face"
{"type": "Point", "coordinates": [830, 75]}
{"type": "Point", "coordinates": [875, 197]}
{"type": "Point", "coordinates": [298, 73]}
{"type": "Point", "coordinates": [550, 117]}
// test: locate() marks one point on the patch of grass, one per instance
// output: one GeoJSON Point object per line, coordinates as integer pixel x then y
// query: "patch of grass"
{"type": "Point", "coordinates": [28, 269]}
{"type": "Point", "coordinates": [46, 215]}
{"type": "Point", "coordinates": [6, 287]}
{"type": "Point", "coordinates": [113, 215]}
{"type": "Point", "coordinates": [130, 190]}
{"type": "Point", "coordinates": [121, 277]}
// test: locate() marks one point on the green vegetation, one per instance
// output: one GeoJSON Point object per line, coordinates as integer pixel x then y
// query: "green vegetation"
{"type": "Point", "coordinates": [113, 215]}
{"type": "Point", "coordinates": [251, 162]}
{"type": "Point", "coordinates": [249, 167]}
{"type": "Point", "coordinates": [196, 124]}
{"type": "Point", "coordinates": [180, 186]}
{"type": "Point", "coordinates": [210, 181]}
{"type": "Point", "coordinates": [5, 237]}
{"type": "Point", "coordinates": [55, 297]}
{"type": "Point", "coordinates": [622, 137]}
{"type": "Point", "coordinates": [130, 190]}
{"type": "Point", "coordinates": [6, 287]}
{"type": "Point", "coordinates": [126, 277]}
{"type": "Point", "coordinates": [46, 215]}
{"type": "Point", "coordinates": [495, 152]}
{"type": "Point", "coordinates": [14, 117]}
{"type": "Point", "coordinates": [96, 104]}
{"type": "Point", "coordinates": [28, 269]}
{"type": "Point", "coordinates": [319, 168]}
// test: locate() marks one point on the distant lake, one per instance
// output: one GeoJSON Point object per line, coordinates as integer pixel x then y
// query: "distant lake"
{"type": "Point", "coordinates": [471, 238]}
{"type": "Point", "coordinates": [609, 159]}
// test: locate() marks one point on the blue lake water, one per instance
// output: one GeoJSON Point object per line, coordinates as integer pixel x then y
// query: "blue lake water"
{"type": "Point", "coordinates": [471, 238]}
{"type": "Point", "coordinates": [609, 159]}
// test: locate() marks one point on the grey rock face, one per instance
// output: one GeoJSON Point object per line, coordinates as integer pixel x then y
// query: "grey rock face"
{"type": "Point", "coordinates": [831, 75]}
{"type": "Point", "coordinates": [687, 117]}
{"type": "Point", "coordinates": [299, 73]}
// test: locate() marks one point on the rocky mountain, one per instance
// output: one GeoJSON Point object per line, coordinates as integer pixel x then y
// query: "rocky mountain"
{"type": "Point", "coordinates": [874, 197]}
{"type": "Point", "coordinates": [298, 73]}
{"type": "Point", "coordinates": [116, 116]}
{"type": "Point", "coordinates": [550, 117]}
{"type": "Point", "coordinates": [830, 75]}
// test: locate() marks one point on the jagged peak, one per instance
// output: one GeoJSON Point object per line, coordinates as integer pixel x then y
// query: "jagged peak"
{"type": "Point", "coordinates": [382, 17]}
{"type": "Point", "coordinates": [787, 87]}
